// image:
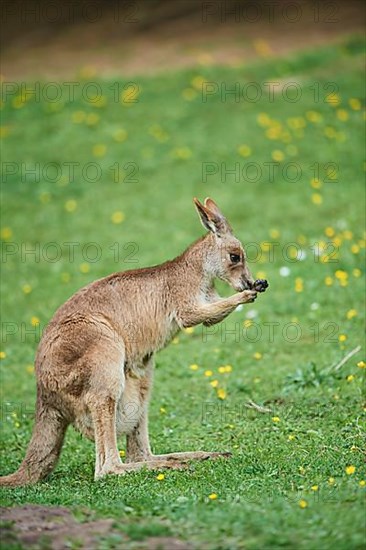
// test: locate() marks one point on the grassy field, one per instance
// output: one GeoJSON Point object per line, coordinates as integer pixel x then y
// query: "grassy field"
{"type": "Point", "coordinates": [297, 475]}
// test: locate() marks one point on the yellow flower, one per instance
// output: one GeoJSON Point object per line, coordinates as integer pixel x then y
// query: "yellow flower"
{"type": "Point", "coordinates": [361, 364]}
{"type": "Point", "coordinates": [84, 267]}
{"type": "Point", "coordinates": [263, 119]}
{"type": "Point", "coordinates": [315, 488]}
{"type": "Point", "coordinates": [333, 99]}
{"type": "Point", "coordinates": [70, 205]}
{"type": "Point", "coordinates": [342, 115]}
{"type": "Point", "coordinates": [120, 135]}
{"type": "Point", "coordinates": [342, 337]}
{"type": "Point", "coordinates": [314, 116]}
{"type": "Point", "coordinates": [357, 272]}
{"type": "Point", "coordinates": [303, 503]}
{"type": "Point", "coordinates": [328, 281]}
{"type": "Point", "coordinates": [244, 150]}
{"type": "Point", "coordinates": [291, 437]}
{"type": "Point", "coordinates": [45, 197]}
{"type": "Point", "coordinates": [27, 289]}
{"type": "Point", "coordinates": [2, 354]}
{"type": "Point", "coordinates": [214, 383]}
{"type": "Point", "coordinates": [117, 217]}
{"type": "Point", "coordinates": [78, 116]}
{"type": "Point", "coordinates": [129, 95]}
{"type": "Point", "coordinates": [193, 367]}
{"type": "Point", "coordinates": [228, 368]}
{"type": "Point", "coordinates": [350, 470]}
{"type": "Point", "coordinates": [331, 481]}
{"type": "Point", "coordinates": [330, 132]}
{"type": "Point", "coordinates": [87, 72]}
{"type": "Point", "coordinates": [99, 150]}
{"type": "Point", "coordinates": [273, 132]}
{"type": "Point", "coordinates": [274, 233]}
{"type": "Point", "coordinates": [162, 410]}
{"type": "Point", "coordinates": [34, 321]}
{"type": "Point", "coordinates": [189, 330]}
{"type": "Point", "coordinates": [351, 313]}
{"type": "Point", "coordinates": [4, 131]}
{"type": "Point", "coordinates": [247, 323]}
{"type": "Point", "coordinates": [276, 419]}
{"type": "Point", "coordinates": [299, 284]}
{"type": "Point", "coordinates": [189, 94]}
{"type": "Point", "coordinates": [212, 496]}
{"type": "Point", "coordinates": [65, 277]}
{"type": "Point", "coordinates": [355, 249]}
{"type": "Point", "coordinates": [221, 393]}
{"type": "Point", "coordinates": [208, 373]}
{"type": "Point", "coordinates": [316, 198]}
{"type": "Point", "coordinates": [329, 231]}
{"type": "Point", "coordinates": [341, 275]}
{"type": "Point", "coordinates": [92, 119]}
{"type": "Point", "coordinates": [30, 369]}
{"type": "Point", "coordinates": [197, 82]}
{"type": "Point", "coordinates": [175, 340]}
{"type": "Point", "coordinates": [182, 153]}
{"type": "Point", "coordinates": [315, 183]}
{"type": "Point", "coordinates": [261, 275]}
{"type": "Point", "coordinates": [257, 355]}
{"type": "Point", "coordinates": [221, 370]}
{"type": "Point", "coordinates": [350, 378]}
{"type": "Point", "coordinates": [278, 155]}
{"type": "Point", "coordinates": [262, 48]}
{"type": "Point", "coordinates": [160, 477]}
{"type": "Point", "coordinates": [347, 234]}
{"type": "Point", "coordinates": [6, 233]}
{"type": "Point", "coordinates": [205, 59]}
{"type": "Point", "coordinates": [302, 469]}
{"type": "Point", "coordinates": [362, 483]}
{"type": "Point", "coordinates": [122, 453]}
{"type": "Point", "coordinates": [355, 104]}
{"type": "Point", "coordinates": [99, 102]}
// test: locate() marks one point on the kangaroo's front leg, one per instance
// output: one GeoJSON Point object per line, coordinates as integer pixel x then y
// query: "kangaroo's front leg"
{"type": "Point", "coordinates": [210, 314]}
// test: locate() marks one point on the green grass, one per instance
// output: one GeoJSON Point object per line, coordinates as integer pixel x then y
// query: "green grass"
{"type": "Point", "coordinates": [319, 407]}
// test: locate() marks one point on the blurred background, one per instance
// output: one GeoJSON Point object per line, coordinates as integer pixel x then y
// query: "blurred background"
{"type": "Point", "coordinates": [125, 37]}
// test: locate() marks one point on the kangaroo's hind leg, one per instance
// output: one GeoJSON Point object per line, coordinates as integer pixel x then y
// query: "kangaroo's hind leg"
{"type": "Point", "coordinates": [138, 445]}
{"type": "Point", "coordinates": [106, 385]}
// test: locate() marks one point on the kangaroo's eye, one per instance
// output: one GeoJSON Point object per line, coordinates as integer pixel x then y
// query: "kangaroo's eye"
{"type": "Point", "coordinates": [235, 258]}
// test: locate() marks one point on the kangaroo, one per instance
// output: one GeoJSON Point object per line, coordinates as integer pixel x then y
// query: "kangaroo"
{"type": "Point", "coordinates": [95, 361]}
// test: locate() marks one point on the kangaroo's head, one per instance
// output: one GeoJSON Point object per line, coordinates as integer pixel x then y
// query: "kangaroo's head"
{"type": "Point", "coordinates": [226, 258]}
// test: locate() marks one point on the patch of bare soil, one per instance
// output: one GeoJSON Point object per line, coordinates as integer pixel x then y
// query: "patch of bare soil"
{"type": "Point", "coordinates": [127, 38]}
{"type": "Point", "coordinates": [40, 527]}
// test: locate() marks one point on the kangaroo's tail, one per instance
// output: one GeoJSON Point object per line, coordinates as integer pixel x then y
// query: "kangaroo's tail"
{"type": "Point", "coordinates": [43, 450]}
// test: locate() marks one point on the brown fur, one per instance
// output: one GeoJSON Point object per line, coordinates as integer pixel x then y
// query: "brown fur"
{"type": "Point", "coordinates": [94, 364]}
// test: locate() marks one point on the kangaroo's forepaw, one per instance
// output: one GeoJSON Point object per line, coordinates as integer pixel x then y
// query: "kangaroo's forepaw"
{"type": "Point", "coordinates": [260, 285]}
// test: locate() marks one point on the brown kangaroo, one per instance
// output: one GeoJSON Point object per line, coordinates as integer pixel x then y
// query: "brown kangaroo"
{"type": "Point", "coordinates": [95, 361]}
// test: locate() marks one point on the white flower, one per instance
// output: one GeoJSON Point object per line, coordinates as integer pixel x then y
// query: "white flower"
{"type": "Point", "coordinates": [285, 271]}
{"type": "Point", "coordinates": [301, 255]}
{"type": "Point", "coordinates": [314, 306]}
{"type": "Point", "coordinates": [239, 307]}
{"type": "Point", "coordinates": [251, 314]}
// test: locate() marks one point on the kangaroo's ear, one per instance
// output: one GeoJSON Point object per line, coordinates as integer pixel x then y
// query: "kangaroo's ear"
{"type": "Point", "coordinates": [211, 217]}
